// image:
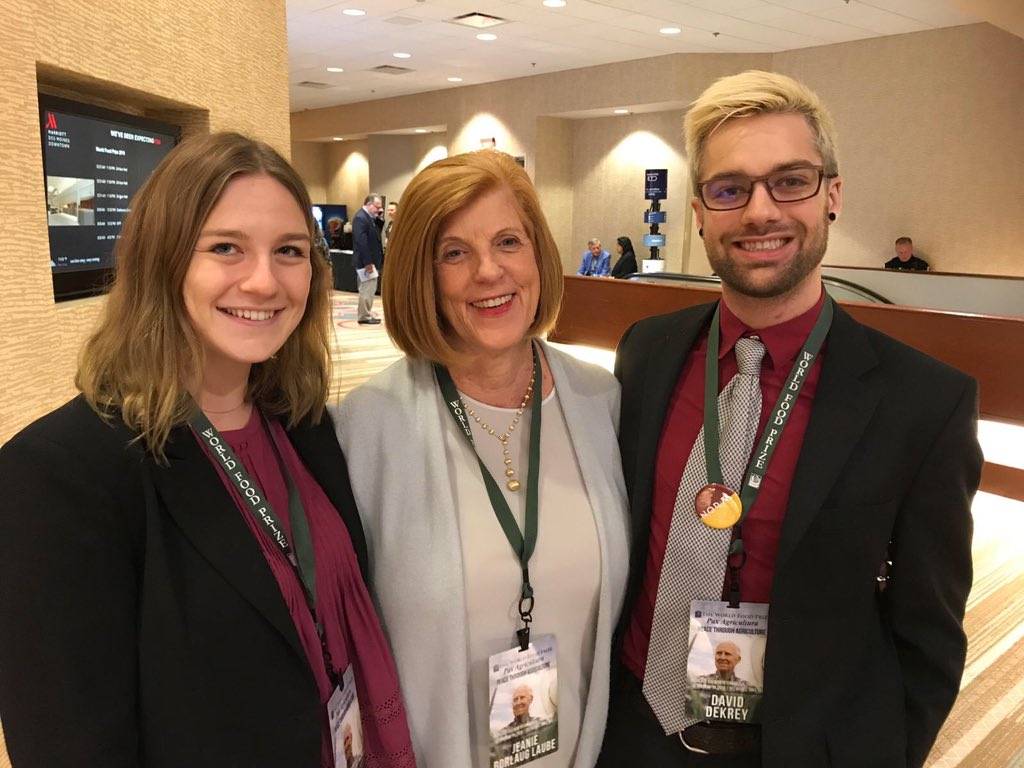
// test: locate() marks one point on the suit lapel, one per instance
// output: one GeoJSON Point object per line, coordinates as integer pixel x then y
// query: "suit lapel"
{"type": "Point", "coordinates": [195, 497]}
{"type": "Point", "coordinates": [843, 405]}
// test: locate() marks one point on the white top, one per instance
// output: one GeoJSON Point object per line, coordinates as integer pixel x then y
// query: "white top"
{"type": "Point", "coordinates": [565, 569]}
{"type": "Point", "coordinates": [391, 430]}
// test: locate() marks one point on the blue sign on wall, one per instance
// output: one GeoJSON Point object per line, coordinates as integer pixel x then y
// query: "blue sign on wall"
{"type": "Point", "coordinates": [656, 184]}
{"type": "Point", "coordinates": [654, 241]}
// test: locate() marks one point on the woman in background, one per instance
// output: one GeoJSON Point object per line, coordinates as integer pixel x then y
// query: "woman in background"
{"type": "Point", "coordinates": [180, 574]}
{"type": "Point", "coordinates": [626, 265]}
{"type": "Point", "coordinates": [455, 449]}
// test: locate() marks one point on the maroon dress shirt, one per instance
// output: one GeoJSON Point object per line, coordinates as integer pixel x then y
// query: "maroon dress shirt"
{"type": "Point", "coordinates": [683, 419]}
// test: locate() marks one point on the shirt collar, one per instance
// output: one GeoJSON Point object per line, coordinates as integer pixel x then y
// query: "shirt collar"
{"type": "Point", "coordinates": [782, 342]}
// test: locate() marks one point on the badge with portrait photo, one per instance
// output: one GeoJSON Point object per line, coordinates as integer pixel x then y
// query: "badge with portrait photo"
{"type": "Point", "coordinates": [346, 724]}
{"type": "Point", "coordinates": [524, 703]}
{"type": "Point", "coordinates": [725, 665]}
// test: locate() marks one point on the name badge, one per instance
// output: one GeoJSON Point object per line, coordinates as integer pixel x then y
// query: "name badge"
{"type": "Point", "coordinates": [523, 690]}
{"type": "Point", "coordinates": [725, 667]}
{"type": "Point", "coordinates": [346, 724]}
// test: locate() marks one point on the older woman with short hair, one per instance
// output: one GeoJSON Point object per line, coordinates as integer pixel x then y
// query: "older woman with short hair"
{"type": "Point", "coordinates": [486, 467]}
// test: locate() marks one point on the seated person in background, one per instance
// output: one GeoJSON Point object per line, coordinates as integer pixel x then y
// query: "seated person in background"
{"type": "Point", "coordinates": [596, 262]}
{"type": "Point", "coordinates": [905, 258]}
{"type": "Point", "coordinates": [626, 265]}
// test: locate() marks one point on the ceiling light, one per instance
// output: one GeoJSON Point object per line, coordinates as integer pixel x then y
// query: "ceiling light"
{"type": "Point", "coordinates": [454, 79]}
{"type": "Point", "coordinates": [486, 36]}
{"type": "Point", "coordinates": [421, 130]}
{"type": "Point", "coordinates": [621, 111]}
{"type": "Point", "coordinates": [335, 69]}
{"type": "Point", "coordinates": [670, 30]}
{"type": "Point", "coordinates": [402, 55]}
{"type": "Point", "coordinates": [354, 12]}
{"type": "Point", "coordinates": [554, 3]}
{"type": "Point", "coordinates": [339, 138]}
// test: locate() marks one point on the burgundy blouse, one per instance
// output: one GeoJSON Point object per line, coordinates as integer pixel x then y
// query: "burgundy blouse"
{"type": "Point", "coordinates": [350, 623]}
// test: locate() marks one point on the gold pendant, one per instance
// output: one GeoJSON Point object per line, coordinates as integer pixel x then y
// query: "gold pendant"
{"type": "Point", "coordinates": [513, 485]}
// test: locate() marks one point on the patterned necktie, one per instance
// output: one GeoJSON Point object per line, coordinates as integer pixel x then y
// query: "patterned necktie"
{"type": "Point", "coordinates": [694, 563]}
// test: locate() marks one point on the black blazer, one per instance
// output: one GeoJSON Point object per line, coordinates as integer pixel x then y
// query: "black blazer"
{"type": "Point", "coordinates": [625, 266]}
{"type": "Point", "coordinates": [141, 624]}
{"type": "Point", "coordinates": [366, 244]}
{"type": "Point", "coordinates": [854, 678]}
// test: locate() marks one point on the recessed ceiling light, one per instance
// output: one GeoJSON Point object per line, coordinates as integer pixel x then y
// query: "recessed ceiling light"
{"type": "Point", "coordinates": [454, 79]}
{"type": "Point", "coordinates": [421, 130]}
{"type": "Point", "coordinates": [554, 3]}
{"type": "Point", "coordinates": [354, 12]}
{"type": "Point", "coordinates": [670, 30]}
{"type": "Point", "coordinates": [401, 55]}
{"type": "Point", "coordinates": [335, 69]}
{"type": "Point", "coordinates": [486, 36]}
{"type": "Point", "coordinates": [339, 138]}
{"type": "Point", "coordinates": [621, 111]}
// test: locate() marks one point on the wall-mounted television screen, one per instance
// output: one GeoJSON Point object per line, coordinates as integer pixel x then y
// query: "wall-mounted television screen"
{"type": "Point", "coordinates": [332, 219]}
{"type": "Point", "coordinates": [94, 161]}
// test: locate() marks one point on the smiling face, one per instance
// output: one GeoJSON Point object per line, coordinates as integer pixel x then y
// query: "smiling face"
{"type": "Point", "coordinates": [247, 282]}
{"type": "Point", "coordinates": [485, 272]}
{"type": "Point", "coordinates": [767, 250]}
{"type": "Point", "coordinates": [727, 656]}
{"type": "Point", "coordinates": [522, 697]}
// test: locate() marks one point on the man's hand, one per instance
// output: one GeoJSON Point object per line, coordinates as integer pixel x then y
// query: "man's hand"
{"type": "Point", "coordinates": [369, 269]}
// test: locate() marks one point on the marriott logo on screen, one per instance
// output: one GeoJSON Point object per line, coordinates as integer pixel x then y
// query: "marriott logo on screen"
{"type": "Point", "coordinates": [51, 120]}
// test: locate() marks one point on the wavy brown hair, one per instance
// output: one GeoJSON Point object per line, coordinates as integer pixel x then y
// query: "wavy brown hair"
{"type": "Point", "coordinates": [138, 362]}
{"type": "Point", "coordinates": [414, 321]}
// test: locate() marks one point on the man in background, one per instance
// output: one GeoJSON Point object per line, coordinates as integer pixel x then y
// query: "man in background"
{"type": "Point", "coordinates": [367, 255]}
{"type": "Point", "coordinates": [905, 258]}
{"type": "Point", "coordinates": [597, 262]}
{"type": "Point", "coordinates": [392, 212]}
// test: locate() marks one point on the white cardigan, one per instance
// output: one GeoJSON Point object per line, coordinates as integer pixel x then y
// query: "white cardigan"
{"type": "Point", "coordinates": [390, 430]}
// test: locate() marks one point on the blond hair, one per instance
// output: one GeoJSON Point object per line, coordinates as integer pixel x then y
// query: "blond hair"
{"type": "Point", "coordinates": [137, 362]}
{"type": "Point", "coordinates": [756, 93]}
{"type": "Point", "coordinates": [441, 189]}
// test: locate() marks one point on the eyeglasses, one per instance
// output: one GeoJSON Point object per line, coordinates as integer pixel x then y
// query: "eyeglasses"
{"type": "Point", "coordinates": [727, 193]}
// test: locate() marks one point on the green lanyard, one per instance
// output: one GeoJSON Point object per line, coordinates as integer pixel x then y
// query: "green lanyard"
{"type": "Point", "coordinates": [522, 543]}
{"type": "Point", "coordinates": [770, 437]}
{"type": "Point", "coordinates": [301, 558]}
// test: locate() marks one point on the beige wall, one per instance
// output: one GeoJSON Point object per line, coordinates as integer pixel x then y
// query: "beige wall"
{"type": "Point", "coordinates": [930, 145]}
{"type": "Point", "coordinates": [163, 59]}
{"type": "Point", "coordinates": [929, 142]}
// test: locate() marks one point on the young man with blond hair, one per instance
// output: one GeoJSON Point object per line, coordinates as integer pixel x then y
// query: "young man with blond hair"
{"type": "Point", "coordinates": [854, 564]}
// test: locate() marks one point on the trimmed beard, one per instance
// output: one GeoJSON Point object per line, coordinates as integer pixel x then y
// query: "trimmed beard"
{"type": "Point", "coordinates": [738, 277]}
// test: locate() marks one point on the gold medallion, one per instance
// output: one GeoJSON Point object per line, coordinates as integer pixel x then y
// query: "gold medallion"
{"type": "Point", "coordinates": [718, 506]}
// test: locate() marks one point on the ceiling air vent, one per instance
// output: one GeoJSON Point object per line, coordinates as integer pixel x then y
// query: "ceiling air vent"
{"type": "Point", "coordinates": [478, 20]}
{"type": "Point", "coordinates": [313, 84]}
{"type": "Point", "coordinates": [388, 69]}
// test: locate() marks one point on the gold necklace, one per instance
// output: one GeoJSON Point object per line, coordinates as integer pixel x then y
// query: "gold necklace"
{"type": "Point", "coordinates": [510, 473]}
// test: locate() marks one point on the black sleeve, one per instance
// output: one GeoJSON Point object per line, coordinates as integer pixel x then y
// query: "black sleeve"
{"type": "Point", "coordinates": [932, 576]}
{"type": "Point", "coordinates": [68, 606]}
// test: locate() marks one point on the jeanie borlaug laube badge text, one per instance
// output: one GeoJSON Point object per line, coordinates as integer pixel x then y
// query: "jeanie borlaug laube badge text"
{"type": "Point", "coordinates": [725, 664]}
{"type": "Point", "coordinates": [524, 703]}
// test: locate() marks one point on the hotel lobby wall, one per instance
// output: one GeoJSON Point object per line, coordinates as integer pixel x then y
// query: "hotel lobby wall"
{"type": "Point", "coordinates": [927, 121]}
{"type": "Point", "coordinates": [510, 111]}
{"type": "Point", "coordinates": [930, 145]}
{"type": "Point", "coordinates": [152, 58]}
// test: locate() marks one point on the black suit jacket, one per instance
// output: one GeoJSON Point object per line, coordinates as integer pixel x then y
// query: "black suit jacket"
{"type": "Point", "coordinates": [366, 245]}
{"type": "Point", "coordinates": [853, 677]}
{"type": "Point", "coordinates": [141, 623]}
